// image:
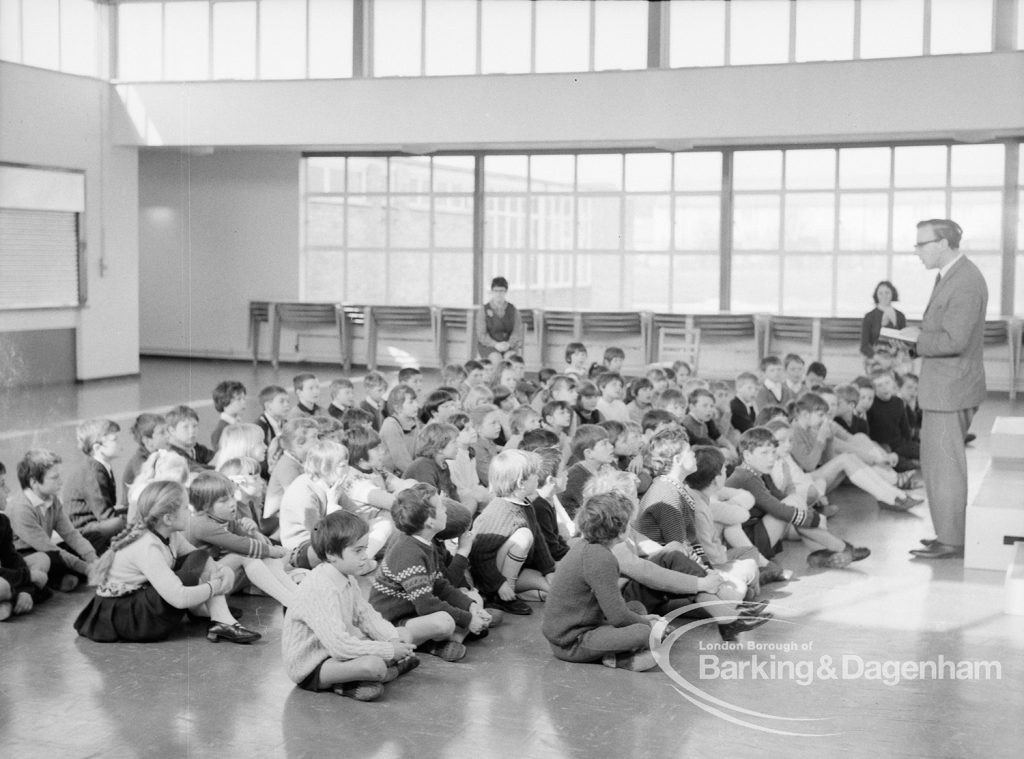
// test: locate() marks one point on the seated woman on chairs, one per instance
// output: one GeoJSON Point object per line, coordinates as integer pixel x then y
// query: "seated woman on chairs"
{"type": "Point", "coordinates": [499, 327]}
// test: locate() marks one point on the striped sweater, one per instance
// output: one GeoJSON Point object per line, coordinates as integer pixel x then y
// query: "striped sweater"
{"type": "Point", "coordinates": [493, 527]}
{"type": "Point", "coordinates": [331, 620]}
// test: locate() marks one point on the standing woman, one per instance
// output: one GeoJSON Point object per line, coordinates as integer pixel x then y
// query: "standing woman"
{"type": "Point", "coordinates": [882, 315]}
{"type": "Point", "coordinates": [499, 327]}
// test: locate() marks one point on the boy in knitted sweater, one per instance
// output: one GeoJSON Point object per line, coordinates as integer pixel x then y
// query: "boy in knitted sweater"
{"type": "Point", "coordinates": [332, 639]}
{"type": "Point", "coordinates": [587, 619]}
{"type": "Point", "coordinates": [411, 590]}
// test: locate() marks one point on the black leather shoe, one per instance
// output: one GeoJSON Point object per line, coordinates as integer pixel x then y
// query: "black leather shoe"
{"type": "Point", "coordinates": [515, 606]}
{"type": "Point", "coordinates": [235, 633]}
{"type": "Point", "coordinates": [743, 623]}
{"type": "Point", "coordinates": [939, 550]}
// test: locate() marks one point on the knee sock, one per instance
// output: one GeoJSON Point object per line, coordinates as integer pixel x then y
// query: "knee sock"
{"type": "Point", "coordinates": [263, 577]}
{"type": "Point", "coordinates": [871, 483]}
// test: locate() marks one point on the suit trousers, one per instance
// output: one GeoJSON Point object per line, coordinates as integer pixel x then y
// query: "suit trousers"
{"type": "Point", "coordinates": [944, 466]}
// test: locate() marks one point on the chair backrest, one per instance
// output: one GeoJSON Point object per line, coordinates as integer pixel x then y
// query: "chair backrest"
{"type": "Point", "coordinates": [725, 325]}
{"type": "Point", "coordinates": [259, 311]}
{"type": "Point", "coordinates": [679, 344]}
{"type": "Point", "coordinates": [305, 313]}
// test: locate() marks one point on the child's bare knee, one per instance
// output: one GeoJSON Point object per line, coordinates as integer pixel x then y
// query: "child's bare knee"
{"type": "Point", "coordinates": [5, 590]}
{"type": "Point", "coordinates": [445, 623]}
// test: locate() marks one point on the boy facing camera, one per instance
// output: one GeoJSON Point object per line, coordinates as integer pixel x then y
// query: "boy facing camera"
{"type": "Point", "coordinates": [333, 639]}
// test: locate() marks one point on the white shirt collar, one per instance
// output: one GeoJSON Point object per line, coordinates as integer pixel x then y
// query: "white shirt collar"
{"type": "Point", "coordinates": [33, 499]}
{"type": "Point", "coordinates": [945, 269]}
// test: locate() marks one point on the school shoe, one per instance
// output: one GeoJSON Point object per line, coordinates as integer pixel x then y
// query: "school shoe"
{"type": "Point", "coordinates": [532, 595]}
{"type": "Point", "coordinates": [515, 606]}
{"type": "Point", "coordinates": [363, 690]}
{"type": "Point", "coordinates": [825, 559]}
{"type": "Point", "coordinates": [939, 550]}
{"type": "Point", "coordinates": [744, 622]}
{"type": "Point", "coordinates": [401, 667]}
{"type": "Point", "coordinates": [635, 661]}
{"type": "Point", "coordinates": [235, 633]}
{"type": "Point", "coordinates": [858, 552]}
{"type": "Point", "coordinates": [448, 650]}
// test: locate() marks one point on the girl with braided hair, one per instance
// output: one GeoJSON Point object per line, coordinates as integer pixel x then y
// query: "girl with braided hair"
{"type": "Point", "coordinates": [150, 575]}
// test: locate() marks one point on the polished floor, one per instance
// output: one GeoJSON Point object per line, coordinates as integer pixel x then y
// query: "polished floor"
{"type": "Point", "coordinates": [835, 675]}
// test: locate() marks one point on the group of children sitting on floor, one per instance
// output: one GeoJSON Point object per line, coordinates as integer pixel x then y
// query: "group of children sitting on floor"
{"type": "Point", "coordinates": [413, 520]}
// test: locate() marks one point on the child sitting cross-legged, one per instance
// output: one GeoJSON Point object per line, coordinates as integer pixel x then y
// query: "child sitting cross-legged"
{"type": "Point", "coordinates": [314, 494]}
{"type": "Point", "coordinates": [332, 638]}
{"type": "Point", "coordinates": [587, 619]}
{"type": "Point", "coordinates": [668, 519]}
{"type": "Point", "coordinates": [411, 589]}
{"type": "Point", "coordinates": [773, 511]}
{"type": "Point", "coordinates": [509, 553]}
{"type": "Point", "coordinates": [235, 543]}
{"type": "Point", "coordinates": [150, 575]}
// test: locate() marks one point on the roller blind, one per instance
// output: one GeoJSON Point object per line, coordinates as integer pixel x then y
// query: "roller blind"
{"type": "Point", "coordinates": [38, 258]}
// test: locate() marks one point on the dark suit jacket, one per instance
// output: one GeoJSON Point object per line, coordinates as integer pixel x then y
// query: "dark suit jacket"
{"type": "Point", "coordinates": [951, 341]}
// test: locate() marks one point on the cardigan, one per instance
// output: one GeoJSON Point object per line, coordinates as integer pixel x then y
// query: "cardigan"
{"type": "Point", "coordinates": [330, 619]}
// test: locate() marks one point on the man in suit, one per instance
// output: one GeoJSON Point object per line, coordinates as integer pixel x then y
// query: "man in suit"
{"type": "Point", "coordinates": [952, 382]}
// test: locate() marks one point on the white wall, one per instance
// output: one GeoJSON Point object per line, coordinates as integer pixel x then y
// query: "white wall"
{"type": "Point", "coordinates": [59, 120]}
{"type": "Point", "coordinates": [216, 231]}
{"type": "Point", "coordinates": [937, 97]}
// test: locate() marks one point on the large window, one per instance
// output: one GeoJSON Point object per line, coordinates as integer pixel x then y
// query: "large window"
{"type": "Point", "coordinates": [64, 35]}
{"type": "Point", "coordinates": [812, 229]}
{"type": "Point", "coordinates": [395, 230]}
{"type": "Point", "coordinates": [605, 230]}
{"type": "Point", "coordinates": [195, 40]}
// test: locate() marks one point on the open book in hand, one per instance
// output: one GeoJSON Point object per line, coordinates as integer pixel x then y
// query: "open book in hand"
{"type": "Point", "coordinates": [888, 333]}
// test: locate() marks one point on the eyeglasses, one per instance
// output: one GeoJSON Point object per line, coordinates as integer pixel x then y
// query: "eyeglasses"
{"type": "Point", "coordinates": [919, 245]}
